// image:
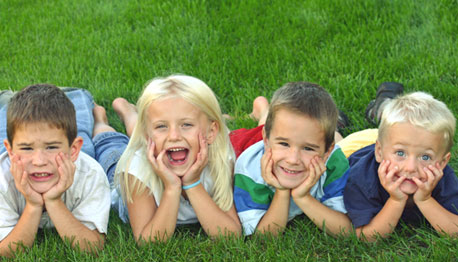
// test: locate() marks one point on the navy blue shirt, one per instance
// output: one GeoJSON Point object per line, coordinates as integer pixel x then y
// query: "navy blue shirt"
{"type": "Point", "coordinates": [364, 196]}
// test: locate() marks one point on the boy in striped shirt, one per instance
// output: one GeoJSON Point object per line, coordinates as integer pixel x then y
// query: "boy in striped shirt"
{"type": "Point", "coordinates": [296, 168]}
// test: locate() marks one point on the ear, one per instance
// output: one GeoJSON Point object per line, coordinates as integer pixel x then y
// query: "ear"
{"type": "Point", "coordinates": [75, 148]}
{"type": "Point", "coordinates": [9, 147]}
{"type": "Point", "coordinates": [445, 160]}
{"type": "Point", "coordinates": [328, 152]}
{"type": "Point", "coordinates": [378, 151]}
{"type": "Point", "coordinates": [212, 132]}
{"type": "Point", "coordinates": [265, 139]}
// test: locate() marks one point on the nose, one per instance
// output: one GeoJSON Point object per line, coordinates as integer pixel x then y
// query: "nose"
{"type": "Point", "coordinates": [174, 134]}
{"type": "Point", "coordinates": [38, 158]}
{"type": "Point", "coordinates": [410, 165]}
{"type": "Point", "coordinates": [293, 156]}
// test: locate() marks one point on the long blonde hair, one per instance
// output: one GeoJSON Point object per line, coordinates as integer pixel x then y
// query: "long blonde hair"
{"type": "Point", "coordinates": [220, 153]}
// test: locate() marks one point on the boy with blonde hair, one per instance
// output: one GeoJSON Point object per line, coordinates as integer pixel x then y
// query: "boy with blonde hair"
{"type": "Point", "coordinates": [296, 168]}
{"type": "Point", "coordinates": [405, 174]}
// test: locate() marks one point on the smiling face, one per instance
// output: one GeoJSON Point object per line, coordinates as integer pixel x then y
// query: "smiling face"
{"type": "Point", "coordinates": [174, 125]}
{"type": "Point", "coordinates": [37, 145]}
{"type": "Point", "coordinates": [411, 148]}
{"type": "Point", "coordinates": [294, 139]}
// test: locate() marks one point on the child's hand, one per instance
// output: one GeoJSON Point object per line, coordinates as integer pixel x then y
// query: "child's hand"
{"type": "Point", "coordinates": [316, 169]}
{"type": "Point", "coordinates": [433, 175]}
{"type": "Point", "coordinates": [386, 179]}
{"type": "Point", "coordinates": [170, 179]}
{"type": "Point", "coordinates": [266, 170]}
{"type": "Point", "coordinates": [66, 170]}
{"type": "Point", "coordinates": [193, 173]}
{"type": "Point", "coordinates": [21, 180]}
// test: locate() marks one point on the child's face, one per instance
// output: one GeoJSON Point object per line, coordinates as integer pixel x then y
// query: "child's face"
{"type": "Point", "coordinates": [37, 145]}
{"type": "Point", "coordinates": [294, 139]}
{"type": "Point", "coordinates": [174, 126]}
{"type": "Point", "coordinates": [411, 148]}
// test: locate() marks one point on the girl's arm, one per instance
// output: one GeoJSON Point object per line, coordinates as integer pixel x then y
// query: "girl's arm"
{"type": "Point", "coordinates": [149, 222]}
{"type": "Point", "coordinates": [213, 220]}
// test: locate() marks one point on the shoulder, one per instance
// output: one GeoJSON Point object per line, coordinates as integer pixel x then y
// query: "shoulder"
{"type": "Point", "coordinates": [249, 162]}
{"type": "Point", "coordinates": [88, 169]}
{"type": "Point", "coordinates": [336, 165]}
{"type": "Point", "coordinates": [5, 175]}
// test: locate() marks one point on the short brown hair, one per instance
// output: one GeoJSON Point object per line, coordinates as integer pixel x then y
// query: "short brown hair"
{"type": "Point", "coordinates": [309, 99]}
{"type": "Point", "coordinates": [41, 103]}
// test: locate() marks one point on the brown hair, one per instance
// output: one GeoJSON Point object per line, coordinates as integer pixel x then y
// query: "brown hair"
{"type": "Point", "coordinates": [41, 103]}
{"type": "Point", "coordinates": [308, 99]}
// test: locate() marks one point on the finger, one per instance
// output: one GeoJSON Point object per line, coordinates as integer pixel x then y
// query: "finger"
{"type": "Point", "coordinates": [391, 172]}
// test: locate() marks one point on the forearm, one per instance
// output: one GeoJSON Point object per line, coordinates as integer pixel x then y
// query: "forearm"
{"type": "Point", "coordinates": [334, 222]}
{"type": "Point", "coordinates": [213, 220]}
{"type": "Point", "coordinates": [276, 217]}
{"type": "Point", "coordinates": [72, 229]}
{"type": "Point", "coordinates": [163, 222]}
{"type": "Point", "coordinates": [24, 232]}
{"type": "Point", "coordinates": [440, 218]}
{"type": "Point", "coordinates": [384, 222]}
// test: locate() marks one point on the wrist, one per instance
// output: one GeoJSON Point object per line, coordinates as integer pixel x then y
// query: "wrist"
{"type": "Point", "coordinates": [191, 185]}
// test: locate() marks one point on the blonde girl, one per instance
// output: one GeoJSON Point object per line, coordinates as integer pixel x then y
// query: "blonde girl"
{"type": "Point", "coordinates": [177, 167]}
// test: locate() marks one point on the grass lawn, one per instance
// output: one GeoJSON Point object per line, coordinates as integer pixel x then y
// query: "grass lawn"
{"type": "Point", "coordinates": [241, 49]}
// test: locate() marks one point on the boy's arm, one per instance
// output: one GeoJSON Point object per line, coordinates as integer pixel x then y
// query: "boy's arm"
{"type": "Point", "coordinates": [439, 217]}
{"type": "Point", "coordinates": [71, 228]}
{"type": "Point", "coordinates": [24, 231]}
{"type": "Point", "coordinates": [276, 217]}
{"type": "Point", "coordinates": [386, 220]}
{"type": "Point", "coordinates": [333, 221]}
{"type": "Point", "coordinates": [66, 223]}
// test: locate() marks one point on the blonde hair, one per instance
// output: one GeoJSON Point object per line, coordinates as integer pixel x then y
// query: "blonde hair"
{"type": "Point", "coordinates": [220, 153]}
{"type": "Point", "coordinates": [422, 110]}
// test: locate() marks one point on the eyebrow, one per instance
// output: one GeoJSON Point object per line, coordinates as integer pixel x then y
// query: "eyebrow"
{"type": "Point", "coordinates": [306, 144]}
{"type": "Point", "coordinates": [46, 143]}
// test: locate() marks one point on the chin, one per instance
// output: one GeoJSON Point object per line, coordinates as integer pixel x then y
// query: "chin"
{"type": "Point", "coordinates": [289, 184]}
{"type": "Point", "coordinates": [409, 189]}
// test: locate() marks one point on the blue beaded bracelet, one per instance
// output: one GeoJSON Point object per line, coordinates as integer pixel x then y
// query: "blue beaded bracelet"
{"type": "Point", "coordinates": [191, 185]}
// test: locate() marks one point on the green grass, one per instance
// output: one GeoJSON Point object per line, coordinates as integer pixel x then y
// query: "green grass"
{"type": "Point", "coordinates": [241, 49]}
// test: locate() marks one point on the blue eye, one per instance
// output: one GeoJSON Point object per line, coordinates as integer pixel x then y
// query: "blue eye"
{"type": "Point", "coordinates": [160, 126]}
{"type": "Point", "coordinates": [188, 125]}
{"type": "Point", "coordinates": [425, 158]}
{"type": "Point", "coordinates": [400, 153]}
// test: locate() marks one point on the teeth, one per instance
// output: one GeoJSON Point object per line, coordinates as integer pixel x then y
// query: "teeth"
{"type": "Point", "coordinates": [41, 175]}
{"type": "Point", "coordinates": [290, 171]}
{"type": "Point", "coordinates": [176, 149]}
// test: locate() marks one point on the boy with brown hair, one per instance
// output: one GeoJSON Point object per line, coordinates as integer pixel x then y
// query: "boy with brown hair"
{"type": "Point", "coordinates": [45, 181]}
{"type": "Point", "coordinates": [296, 168]}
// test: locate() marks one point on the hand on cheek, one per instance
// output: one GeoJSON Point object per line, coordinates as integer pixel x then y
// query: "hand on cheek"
{"type": "Point", "coordinates": [316, 168]}
{"type": "Point", "coordinates": [192, 175]}
{"type": "Point", "coordinates": [66, 171]}
{"type": "Point", "coordinates": [21, 180]}
{"type": "Point", "coordinates": [266, 170]}
{"type": "Point", "coordinates": [170, 179]}
{"type": "Point", "coordinates": [387, 174]}
{"type": "Point", "coordinates": [432, 174]}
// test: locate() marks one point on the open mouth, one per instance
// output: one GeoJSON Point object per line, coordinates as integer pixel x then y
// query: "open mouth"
{"type": "Point", "coordinates": [177, 155]}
